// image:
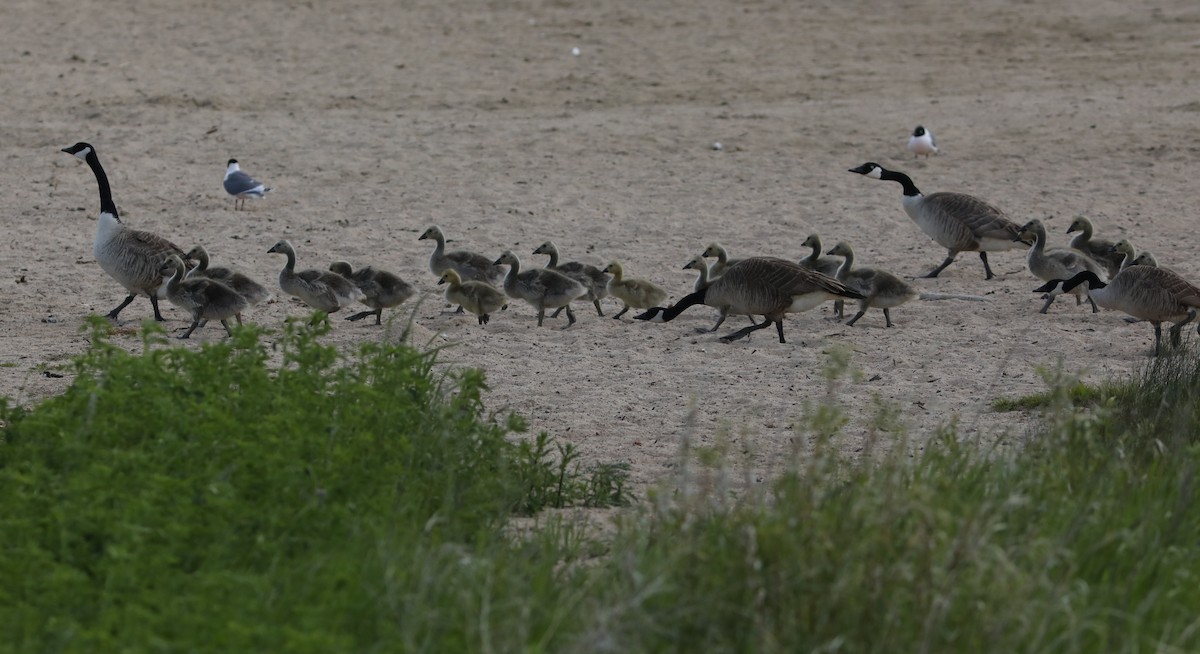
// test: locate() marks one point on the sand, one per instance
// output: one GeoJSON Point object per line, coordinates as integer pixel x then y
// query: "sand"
{"type": "Point", "coordinates": [375, 120]}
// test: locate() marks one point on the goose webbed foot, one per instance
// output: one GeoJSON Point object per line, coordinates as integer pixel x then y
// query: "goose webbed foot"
{"type": "Point", "coordinates": [987, 269]}
{"type": "Point", "coordinates": [362, 314]}
{"type": "Point", "coordinates": [622, 312]}
{"type": "Point", "coordinates": [570, 317]}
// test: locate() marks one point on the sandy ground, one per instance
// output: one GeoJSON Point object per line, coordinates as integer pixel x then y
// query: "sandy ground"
{"type": "Point", "coordinates": [374, 120]}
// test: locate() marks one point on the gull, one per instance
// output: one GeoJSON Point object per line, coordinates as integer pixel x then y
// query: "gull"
{"type": "Point", "coordinates": [922, 142]}
{"type": "Point", "coordinates": [241, 186]}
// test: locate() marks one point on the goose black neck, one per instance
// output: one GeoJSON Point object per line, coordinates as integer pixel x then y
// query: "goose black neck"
{"type": "Point", "coordinates": [686, 301]}
{"type": "Point", "coordinates": [106, 201]}
{"type": "Point", "coordinates": [1086, 276]}
{"type": "Point", "coordinates": [905, 181]}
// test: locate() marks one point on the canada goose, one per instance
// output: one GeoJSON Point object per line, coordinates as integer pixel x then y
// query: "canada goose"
{"type": "Point", "coordinates": [1146, 293]}
{"type": "Point", "coordinates": [634, 293]}
{"type": "Point", "coordinates": [241, 186]}
{"type": "Point", "coordinates": [592, 278]}
{"type": "Point", "coordinates": [1098, 249]}
{"type": "Point", "coordinates": [320, 289]}
{"type": "Point", "coordinates": [243, 285]}
{"type": "Point", "coordinates": [761, 286]}
{"type": "Point", "coordinates": [882, 289]}
{"type": "Point", "coordinates": [922, 143]}
{"type": "Point", "coordinates": [1147, 259]}
{"type": "Point", "coordinates": [722, 263]}
{"type": "Point", "coordinates": [542, 288]}
{"type": "Point", "coordinates": [480, 298]}
{"type": "Point", "coordinates": [956, 221]}
{"type": "Point", "coordinates": [814, 260]}
{"type": "Point", "coordinates": [470, 266]}
{"type": "Point", "coordinates": [131, 256]}
{"type": "Point", "coordinates": [381, 289]}
{"type": "Point", "coordinates": [206, 299]}
{"type": "Point", "coordinates": [1056, 263]}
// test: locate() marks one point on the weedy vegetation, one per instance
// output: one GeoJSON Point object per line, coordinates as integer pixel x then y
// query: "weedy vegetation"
{"type": "Point", "coordinates": [184, 500]}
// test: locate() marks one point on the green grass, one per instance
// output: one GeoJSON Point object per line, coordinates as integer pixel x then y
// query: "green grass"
{"type": "Point", "coordinates": [187, 501]}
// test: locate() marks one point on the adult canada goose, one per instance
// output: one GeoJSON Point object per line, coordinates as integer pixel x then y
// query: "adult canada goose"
{"type": "Point", "coordinates": [722, 263]}
{"type": "Point", "coordinates": [469, 265]}
{"type": "Point", "coordinates": [542, 288]}
{"type": "Point", "coordinates": [814, 260]}
{"type": "Point", "coordinates": [1151, 294]}
{"type": "Point", "coordinates": [241, 186]}
{"type": "Point", "coordinates": [243, 285]}
{"type": "Point", "coordinates": [760, 286]}
{"type": "Point", "coordinates": [206, 299]}
{"type": "Point", "coordinates": [881, 289]}
{"type": "Point", "coordinates": [381, 289]}
{"type": "Point", "coordinates": [1057, 263]}
{"type": "Point", "coordinates": [634, 293]}
{"type": "Point", "coordinates": [1096, 248]}
{"type": "Point", "coordinates": [322, 290]}
{"type": "Point", "coordinates": [956, 221]}
{"type": "Point", "coordinates": [592, 278]}
{"type": "Point", "coordinates": [480, 298]}
{"type": "Point", "coordinates": [922, 143]}
{"type": "Point", "coordinates": [131, 256]}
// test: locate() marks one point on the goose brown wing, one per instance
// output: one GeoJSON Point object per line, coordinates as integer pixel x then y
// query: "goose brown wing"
{"type": "Point", "coordinates": [980, 219]}
{"type": "Point", "coordinates": [154, 244]}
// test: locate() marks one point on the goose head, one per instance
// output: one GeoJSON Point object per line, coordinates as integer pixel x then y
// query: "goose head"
{"type": "Point", "coordinates": [282, 247]}
{"type": "Point", "coordinates": [842, 249]}
{"type": "Point", "coordinates": [546, 248]}
{"type": "Point", "coordinates": [1060, 286]}
{"type": "Point", "coordinates": [81, 150]}
{"type": "Point", "coordinates": [433, 232]}
{"type": "Point", "coordinates": [196, 253]}
{"type": "Point", "coordinates": [813, 241]}
{"type": "Point", "coordinates": [653, 314]}
{"type": "Point", "coordinates": [713, 250]}
{"type": "Point", "coordinates": [1033, 230]}
{"type": "Point", "coordinates": [614, 268]}
{"type": "Point", "coordinates": [1079, 224]}
{"type": "Point", "coordinates": [171, 265]}
{"type": "Point", "coordinates": [450, 276]}
{"type": "Point", "coordinates": [696, 263]}
{"type": "Point", "coordinates": [342, 268]}
{"type": "Point", "coordinates": [1125, 247]}
{"type": "Point", "coordinates": [508, 257]}
{"type": "Point", "coordinates": [869, 169]}
{"type": "Point", "coordinates": [1145, 259]}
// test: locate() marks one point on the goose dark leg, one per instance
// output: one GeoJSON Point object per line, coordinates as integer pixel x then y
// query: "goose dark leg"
{"type": "Point", "coordinates": [887, 316]}
{"type": "Point", "coordinates": [720, 319]}
{"type": "Point", "coordinates": [570, 316]}
{"type": "Point", "coordinates": [360, 315]}
{"type": "Point", "coordinates": [745, 331]}
{"type": "Point", "coordinates": [1157, 339]}
{"type": "Point", "coordinates": [379, 316]}
{"type": "Point", "coordinates": [460, 309]}
{"type": "Point", "coordinates": [949, 260]}
{"type": "Point", "coordinates": [599, 312]}
{"type": "Point", "coordinates": [621, 312]}
{"type": "Point", "coordinates": [1095, 309]}
{"type": "Point", "coordinates": [112, 315]}
{"type": "Point", "coordinates": [779, 328]}
{"type": "Point", "coordinates": [188, 333]}
{"type": "Point", "coordinates": [1177, 330]}
{"type": "Point", "coordinates": [154, 303]}
{"type": "Point", "coordinates": [556, 312]}
{"type": "Point", "coordinates": [483, 318]}
{"type": "Point", "coordinates": [1049, 301]}
{"type": "Point", "coordinates": [839, 309]}
{"type": "Point", "coordinates": [856, 317]}
{"type": "Point", "coordinates": [541, 315]}
{"type": "Point", "coordinates": [225, 324]}
{"type": "Point", "coordinates": [986, 268]}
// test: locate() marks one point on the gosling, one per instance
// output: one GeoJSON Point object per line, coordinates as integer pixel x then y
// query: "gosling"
{"type": "Point", "coordinates": [633, 293]}
{"type": "Point", "coordinates": [381, 289]}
